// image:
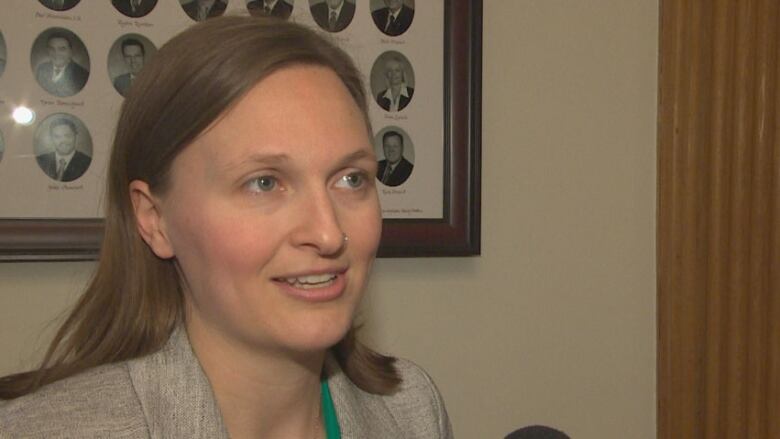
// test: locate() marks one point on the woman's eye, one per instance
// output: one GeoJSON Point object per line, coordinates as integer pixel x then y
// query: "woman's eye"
{"type": "Point", "coordinates": [263, 184]}
{"type": "Point", "coordinates": [354, 180]}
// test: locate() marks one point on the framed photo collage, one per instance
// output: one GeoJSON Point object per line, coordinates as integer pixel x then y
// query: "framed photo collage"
{"type": "Point", "coordinates": [65, 66]}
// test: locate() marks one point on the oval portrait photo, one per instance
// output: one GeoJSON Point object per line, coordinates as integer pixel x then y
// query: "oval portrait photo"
{"type": "Point", "coordinates": [392, 17]}
{"type": "Point", "coordinates": [59, 5]}
{"type": "Point", "coordinates": [332, 15]}
{"type": "Point", "coordinates": [270, 8]}
{"type": "Point", "coordinates": [134, 8]}
{"type": "Point", "coordinates": [392, 81]}
{"type": "Point", "coordinates": [62, 147]}
{"type": "Point", "coordinates": [200, 10]}
{"type": "Point", "coordinates": [126, 58]}
{"type": "Point", "coordinates": [60, 62]}
{"type": "Point", "coordinates": [395, 156]}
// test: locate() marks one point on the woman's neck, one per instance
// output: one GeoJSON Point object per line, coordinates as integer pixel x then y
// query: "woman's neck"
{"type": "Point", "coordinates": [260, 394]}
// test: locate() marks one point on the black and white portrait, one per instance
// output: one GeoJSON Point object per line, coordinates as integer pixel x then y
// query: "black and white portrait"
{"type": "Point", "coordinates": [395, 156]}
{"type": "Point", "coordinates": [200, 10]}
{"type": "Point", "coordinates": [63, 147]}
{"type": "Point", "coordinates": [270, 8]}
{"type": "Point", "coordinates": [60, 62]}
{"type": "Point", "coordinates": [3, 54]}
{"type": "Point", "coordinates": [392, 81]}
{"type": "Point", "coordinates": [126, 58]}
{"type": "Point", "coordinates": [332, 15]}
{"type": "Point", "coordinates": [59, 5]}
{"type": "Point", "coordinates": [392, 17]}
{"type": "Point", "coordinates": [134, 8]}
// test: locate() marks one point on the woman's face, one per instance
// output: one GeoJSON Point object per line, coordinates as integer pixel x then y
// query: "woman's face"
{"type": "Point", "coordinates": [258, 208]}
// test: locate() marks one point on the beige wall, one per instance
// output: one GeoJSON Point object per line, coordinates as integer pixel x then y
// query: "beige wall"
{"type": "Point", "coordinates": [555, 322]}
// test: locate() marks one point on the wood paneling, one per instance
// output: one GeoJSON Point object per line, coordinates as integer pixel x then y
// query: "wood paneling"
{"type": "Point", "coordinates": [718, 214]}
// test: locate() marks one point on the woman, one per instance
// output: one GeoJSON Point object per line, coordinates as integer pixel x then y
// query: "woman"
{"type": "Point", "coordinates": [241, 226]}
{"type": "Point", "coordinates": [398, 93]}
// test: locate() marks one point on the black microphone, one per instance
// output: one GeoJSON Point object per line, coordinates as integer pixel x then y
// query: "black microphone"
{"type": "Point", "coordinates": [537, 432]}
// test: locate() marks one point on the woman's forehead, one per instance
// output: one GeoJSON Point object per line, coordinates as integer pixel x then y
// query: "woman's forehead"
{"type": "Point", "coordinates": [296, 111]}
{"type": "Point", "coordinates": [292, 93]}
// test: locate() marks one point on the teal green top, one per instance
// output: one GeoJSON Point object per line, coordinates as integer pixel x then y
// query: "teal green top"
{"type": "Point", "coordinates": [332, 430]}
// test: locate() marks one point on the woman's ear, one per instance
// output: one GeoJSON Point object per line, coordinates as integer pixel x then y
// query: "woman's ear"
{"type": "Point", "coordinates": [151, 225]}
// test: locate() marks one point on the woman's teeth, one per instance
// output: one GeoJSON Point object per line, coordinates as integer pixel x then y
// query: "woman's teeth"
{"type": "Point", "coordinates": [312, 281]}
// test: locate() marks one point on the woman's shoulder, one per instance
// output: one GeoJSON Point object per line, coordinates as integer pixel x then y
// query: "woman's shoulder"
{"type": "Point", "coordinates": [415, 410]}
{"type": "Point", "coordinates": [95, 403]}
{"type": "Point", "coordinates": [418, 400]}
{"type": "Point", "coordinates": [414, 378]}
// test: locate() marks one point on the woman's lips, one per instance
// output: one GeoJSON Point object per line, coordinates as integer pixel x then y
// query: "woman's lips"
{"type": "Point", "coordinates": [314, 288]}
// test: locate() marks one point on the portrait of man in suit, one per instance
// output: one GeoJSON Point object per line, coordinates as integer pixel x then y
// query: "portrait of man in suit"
{"type": "Point", "coordinates": [60, 75]}
{"type": "Point", "coordinates": [59, 5]}
{"type": "Point", "coordinates": [275, 8]}
{"type": "Point", "coordinates": [65, 163]}
{"type": "Point", "coordinates": [394, 169]}
{"type": "Point", "coordinates": [134, 8]}
{"type": "Point", "coordinates": [133, 53]}
{"type": "Point", "coordinates": [333, 15]}
{"type": "Point", "coordinates": [398, 93]}
{"type": "Point", "coordinates": [200, 10]}
{"type": "Point", "coordinates": [394, 18]}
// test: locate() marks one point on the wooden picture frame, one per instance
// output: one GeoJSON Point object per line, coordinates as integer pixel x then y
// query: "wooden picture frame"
{"type": "Point", "coordinates": [456, 234]}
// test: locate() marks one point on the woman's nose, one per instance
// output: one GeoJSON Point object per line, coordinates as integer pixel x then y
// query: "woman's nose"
{"type": "Point", "coordinates": [319, 226]}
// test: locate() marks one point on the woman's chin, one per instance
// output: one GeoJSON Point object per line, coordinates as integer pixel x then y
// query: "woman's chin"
{"type": "Point", "coordinates": [315, 338]}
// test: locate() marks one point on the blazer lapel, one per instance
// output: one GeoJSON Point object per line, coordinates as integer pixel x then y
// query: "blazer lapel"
{"type": "Point", "coordinates": [175, 395]}
{"type": "Point", "coordinates": [177, 400]}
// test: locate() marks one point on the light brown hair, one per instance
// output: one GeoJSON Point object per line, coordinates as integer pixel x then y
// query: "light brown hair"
{"type": "Point", "coordinates": [134, 300]}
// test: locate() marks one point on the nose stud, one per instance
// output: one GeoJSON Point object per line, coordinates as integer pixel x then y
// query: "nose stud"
{"type": "Point", "coordinates": [346, 238]}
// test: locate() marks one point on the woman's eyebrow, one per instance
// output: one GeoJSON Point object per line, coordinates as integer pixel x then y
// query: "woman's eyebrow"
{"type": "Point", "coordinates": [277, 159]}
{"type": "Point", "coordinates": [360, 154]}
{"type": "Point", "coordinates": [255, 158]}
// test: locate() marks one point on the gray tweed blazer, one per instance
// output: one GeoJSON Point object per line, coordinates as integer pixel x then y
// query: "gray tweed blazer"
{"type": "Point", "coordinates": [166, 395]}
